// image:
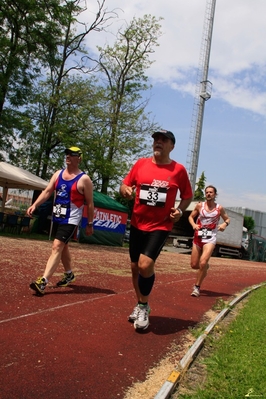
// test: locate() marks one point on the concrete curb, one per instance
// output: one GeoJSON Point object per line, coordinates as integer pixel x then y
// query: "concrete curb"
{"type": "Point", "coordinates": [175, 376]}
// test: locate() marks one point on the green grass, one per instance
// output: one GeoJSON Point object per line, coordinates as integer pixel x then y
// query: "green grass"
{"type": "Point", "coordinates": [236, 367]}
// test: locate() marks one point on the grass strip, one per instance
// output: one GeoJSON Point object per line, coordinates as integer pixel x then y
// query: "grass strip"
{"type": "Point", "coordinates": [236, 367]}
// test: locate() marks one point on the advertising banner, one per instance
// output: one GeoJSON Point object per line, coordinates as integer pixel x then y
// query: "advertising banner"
{"type": "Point", "coordinates": [107, 220]}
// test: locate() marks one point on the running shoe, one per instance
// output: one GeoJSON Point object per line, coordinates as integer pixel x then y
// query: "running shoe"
{"type": "Point", "coordinates": [195, 292]}
{"type": "Point", "coordinates": [142, 320]}
{"type": "Point", "coordinates": [39, 285]}
{"type": "Point", "coordinates": [67, 279]}
{"type": "Point", "coordinates": [134, 315]}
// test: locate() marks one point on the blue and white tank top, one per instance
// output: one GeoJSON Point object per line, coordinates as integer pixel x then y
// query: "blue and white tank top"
{"type": "Point", "coordinates": [69, 202]}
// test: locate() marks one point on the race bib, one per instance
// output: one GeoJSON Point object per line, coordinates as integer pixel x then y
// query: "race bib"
{"type": "Point", "coordinates": [59, 211]}
{"type": "Point", "coordinates": [152, 196]}
{"type": "Point", "coordinates": [205, 233]}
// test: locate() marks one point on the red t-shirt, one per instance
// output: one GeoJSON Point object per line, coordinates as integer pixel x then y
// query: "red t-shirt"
{"type": "Point", "coordinates": [156, 190]}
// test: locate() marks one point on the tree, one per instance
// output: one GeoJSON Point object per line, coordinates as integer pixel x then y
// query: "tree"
{"type": "Point", "coordinates": [75, 111]}
{"type": "Point", "coordinates": [249, 223]}
{"type": "Point", "coordinates": [97, 104]}
{"type": "Point", "coordinates": [199, 194]}
{"type": "Point", "coordinates": [28, 36]}
{"type": "Point", "coordinates": [122, 69]}
{"type": "Point", "coordinates": [103, 112]}
{"type": "Point", "coordinates": [46, 113]}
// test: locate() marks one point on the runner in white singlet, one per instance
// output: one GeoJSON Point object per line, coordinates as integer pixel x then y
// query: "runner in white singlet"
{"type": "Point", "coordinates": [207, 215]}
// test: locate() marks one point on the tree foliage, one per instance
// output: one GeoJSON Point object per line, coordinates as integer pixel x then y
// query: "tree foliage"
{"type": "Point", "coordinates": [122, 68]}
{"type": "Point", "coordinates": [55, 94]}
{"type": "Point", "coordinates": [249, 223]}
{"type": "Point", "coordinates": [47, 125]}
{"type": "Point", "coordinates": [199, 194]}
{"type": "Point", "coordinates": [28, 37]}
{"type": "Point", "coordinates": [102, 111]}
{"type": "Point", "coordinates": [25, 38]}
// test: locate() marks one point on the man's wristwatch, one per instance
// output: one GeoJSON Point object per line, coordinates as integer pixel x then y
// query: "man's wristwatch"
{"type": "Point", "coordinates": [227, 224]}
{"type": "Point", "coordinates": [90, 224]}
{"type": "Point", "coordinates": [179, 210]}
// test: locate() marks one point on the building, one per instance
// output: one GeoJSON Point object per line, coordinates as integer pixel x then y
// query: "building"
{"type": "Point", "coordinates": [17, 198]}
{"type": "Point", "coordinates": [258, 216]}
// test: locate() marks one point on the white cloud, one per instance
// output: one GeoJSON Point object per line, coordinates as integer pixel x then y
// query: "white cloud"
{"type": "Point", "coordinates": [240, 93]}
{"type": "Point", "coordinates": [238, 51]}
{"type": "Point", "coordinates": [247, 199]}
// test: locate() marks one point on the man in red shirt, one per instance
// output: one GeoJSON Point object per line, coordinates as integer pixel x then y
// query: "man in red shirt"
{"type": "Point", "coordinates": [155, 182]}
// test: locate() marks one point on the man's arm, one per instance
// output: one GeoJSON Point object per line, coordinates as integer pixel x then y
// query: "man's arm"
{"type": "Point", "coordinates": [193, 215]}
{"type": "Point", "coordinates": [127, 191]}
{"type": "Point", "coordinates": [226, 219]}
{"type": "Point", "coordinates": [184, 203]}
{"type": "Point", "coordinates": [176, 213]}
{"type": "Point", "coordinates": [186, 195]}
{"type": "Point", "coordinates": [88, 195]}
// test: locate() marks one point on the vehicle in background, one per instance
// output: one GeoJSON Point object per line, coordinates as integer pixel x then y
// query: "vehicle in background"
{"type": "Point", "coordinates": [234, 241]}
{"type": "Point", "coordinates": [245, 239]}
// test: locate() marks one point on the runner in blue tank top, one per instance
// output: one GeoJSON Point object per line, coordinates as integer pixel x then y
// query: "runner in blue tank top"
{"type": "Point", "coordinates": [72, 188]}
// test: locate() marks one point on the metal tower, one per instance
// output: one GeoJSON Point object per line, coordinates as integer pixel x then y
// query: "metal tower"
{"type": "Point", "coordinates": [203, 93]}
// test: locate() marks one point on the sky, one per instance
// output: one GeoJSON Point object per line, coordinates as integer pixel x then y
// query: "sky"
{"type": "Point", "coordinates": [233, 144]}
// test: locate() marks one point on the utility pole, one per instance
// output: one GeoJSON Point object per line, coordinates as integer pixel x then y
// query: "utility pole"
{"type": "Point", "coordinates": [203, 94]}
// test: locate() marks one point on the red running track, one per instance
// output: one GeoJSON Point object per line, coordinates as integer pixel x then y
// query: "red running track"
{"type": "Point", "coordinates": [76, 342]}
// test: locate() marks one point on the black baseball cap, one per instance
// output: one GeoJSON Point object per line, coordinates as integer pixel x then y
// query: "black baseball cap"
{"type": "Point", "coordinates": [74, 151]}
{"type": "Point", "coordinates": [166, 133]}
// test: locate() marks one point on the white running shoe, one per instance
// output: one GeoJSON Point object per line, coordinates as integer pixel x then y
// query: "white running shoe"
{"type": "Point", "coordinates": [142, 320]}
{"type": "Point", "coordinates": [134, 315]}
{"type": "Point", "coordinates": [195, 292]}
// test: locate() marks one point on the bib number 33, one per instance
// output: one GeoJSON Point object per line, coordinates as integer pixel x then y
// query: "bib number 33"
{"type": "Point", "coordinates": [152, 196]}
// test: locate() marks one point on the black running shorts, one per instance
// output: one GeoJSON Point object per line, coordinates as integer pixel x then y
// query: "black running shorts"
{"type": "Point", "coordinates": [64, 232]}
{"type": "Point", "coordinates": [149, 243]}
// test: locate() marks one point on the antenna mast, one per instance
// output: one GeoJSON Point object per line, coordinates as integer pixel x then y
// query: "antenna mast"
{"type": "Point", "coordinates": [203, 93]}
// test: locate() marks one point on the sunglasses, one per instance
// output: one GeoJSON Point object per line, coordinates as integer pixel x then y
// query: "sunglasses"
{"type": "Point", "coordinates": [72, 154]}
